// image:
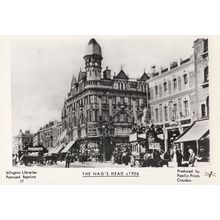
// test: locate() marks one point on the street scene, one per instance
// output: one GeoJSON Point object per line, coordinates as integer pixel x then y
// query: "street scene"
{"type": "Point", "coordinates": [107, 116]}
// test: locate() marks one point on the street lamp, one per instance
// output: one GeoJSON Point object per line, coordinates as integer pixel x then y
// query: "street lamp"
{"type": "Point", "coordinates": [103, 142]}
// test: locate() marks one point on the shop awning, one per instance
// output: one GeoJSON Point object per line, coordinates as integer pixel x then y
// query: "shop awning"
{"type": "Point", "coordinates": [58, 149]}
{"type": "Point", "coordinates": [63, 135]}
{"type": "Point", "coordinates": [205, 137]}
{"type": "Point", "coordinates": [68, 146]}
{"type": "Point", "coordinates": [195, 132]}
{"type": "Point", "coordinates": [51, 150]}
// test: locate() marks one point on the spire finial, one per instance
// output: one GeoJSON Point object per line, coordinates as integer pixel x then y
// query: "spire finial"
{"type": "Point", "coordinates": [121, 67]}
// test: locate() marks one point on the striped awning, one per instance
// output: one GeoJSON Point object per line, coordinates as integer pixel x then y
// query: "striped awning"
{"type": "Point", "coordinates": [58, 149]}
{"type": "Point", "coordinates": [68, 146]}
{"type": "Point", "coordinates": [51, 150]}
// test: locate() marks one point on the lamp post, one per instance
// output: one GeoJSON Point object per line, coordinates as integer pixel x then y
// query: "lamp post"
{"type": "Point", "coordinates": [103, 142]}
{"type": "Point", "coordinates": [104, 130]}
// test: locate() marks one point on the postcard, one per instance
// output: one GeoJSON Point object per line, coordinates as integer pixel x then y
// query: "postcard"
{"type": "Point", "coordinates": [109, 110]}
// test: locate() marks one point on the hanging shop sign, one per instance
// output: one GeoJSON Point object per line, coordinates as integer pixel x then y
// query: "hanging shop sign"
{"type": "Point", "coordinates": [142, 136]}
{"type": "Point", "coordinates": [133, 137]}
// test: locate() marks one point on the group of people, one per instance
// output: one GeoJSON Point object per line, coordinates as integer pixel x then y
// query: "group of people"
{"type": "Point", "coordinates": [175, 155]}
{"type": "Point", "coordinates": [122, 157]}
{"type": "Point", "coordinates": [178, 157]}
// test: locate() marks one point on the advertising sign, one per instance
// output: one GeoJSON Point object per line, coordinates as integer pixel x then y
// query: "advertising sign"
{"type": "Point", "coordinates": [154, 146]}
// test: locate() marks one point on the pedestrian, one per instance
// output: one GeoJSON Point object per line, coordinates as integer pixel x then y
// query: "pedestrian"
{"type": "Point", "coordinates": [192, 157]}
{"type": "Point", "coordinates": [167, 157]}
{"type": "Point", "coordinates": [132, 161]}
{"type": "Point", "coordinates": [67, 160]}
{"type": "Point", "coordinates": [179, 157]}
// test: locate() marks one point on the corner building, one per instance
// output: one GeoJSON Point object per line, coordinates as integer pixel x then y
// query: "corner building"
{"type": "Point", "coordinates": [101, 109]}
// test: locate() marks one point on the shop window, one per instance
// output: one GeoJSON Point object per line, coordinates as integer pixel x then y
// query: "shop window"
{"type": "Point", "coordinates": [206, 74]}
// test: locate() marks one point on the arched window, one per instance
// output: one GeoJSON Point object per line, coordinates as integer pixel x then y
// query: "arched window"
{"type": "Point", "coordinates": [206, 74]}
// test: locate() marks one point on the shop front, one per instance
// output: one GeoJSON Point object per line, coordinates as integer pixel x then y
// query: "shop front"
{"type": "Point", "coordinates": [196, 137]}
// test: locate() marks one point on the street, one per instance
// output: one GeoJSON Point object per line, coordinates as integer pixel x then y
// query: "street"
{"type": "Point", "coordinates": [79, 165]}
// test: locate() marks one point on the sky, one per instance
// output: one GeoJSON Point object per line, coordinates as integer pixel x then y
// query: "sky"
{"type": "Point", "coordinates": [42, 69]}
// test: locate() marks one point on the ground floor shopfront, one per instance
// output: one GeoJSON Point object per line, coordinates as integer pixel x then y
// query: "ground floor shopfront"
{"type": "Point", "coordinates": [99, 148]}
{"type": "Point", "coordinates": [172, 130]}
{"type": "Point", "coordinates": [196, 137]}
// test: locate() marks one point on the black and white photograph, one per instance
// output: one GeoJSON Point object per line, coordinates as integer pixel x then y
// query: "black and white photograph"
{"type": "Point", "coordinates": [118, 102]}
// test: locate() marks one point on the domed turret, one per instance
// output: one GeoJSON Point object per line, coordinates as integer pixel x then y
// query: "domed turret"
{"type": "Point", "coordinates": [93, 48]}
{"type": "Point", "coordinates": [93, 60]}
